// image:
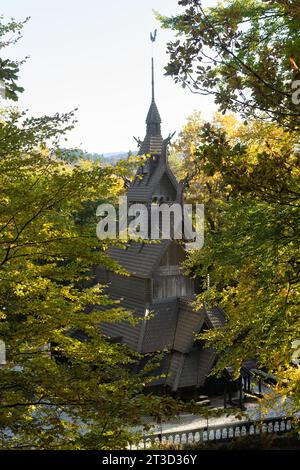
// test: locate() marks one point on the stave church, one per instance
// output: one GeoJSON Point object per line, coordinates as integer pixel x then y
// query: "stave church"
{"type": "Point", "coordinates": [157, 291]}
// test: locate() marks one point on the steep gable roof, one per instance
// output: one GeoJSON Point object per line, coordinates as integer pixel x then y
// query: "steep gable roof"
{"type": "Point", "coordinates": [144, 184]}
{"type": "Point", "coordinates": [215, 317]}
{"type": "Point", "coordinates": [140, 259]}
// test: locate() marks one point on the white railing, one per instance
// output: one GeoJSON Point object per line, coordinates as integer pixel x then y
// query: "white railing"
{"type": "Point", "coordinates": [219, 433]}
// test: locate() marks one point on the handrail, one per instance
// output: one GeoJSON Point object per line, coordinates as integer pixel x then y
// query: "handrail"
{"type": "Point", "coordinates": [221, 432]}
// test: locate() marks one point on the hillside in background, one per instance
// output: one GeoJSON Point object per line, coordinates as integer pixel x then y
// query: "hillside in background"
{"type": "Point", "coordinates": [107, 158]}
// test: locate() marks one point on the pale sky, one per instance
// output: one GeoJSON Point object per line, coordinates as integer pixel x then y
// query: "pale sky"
{"type": "Point", "coordinates": [95, 55]}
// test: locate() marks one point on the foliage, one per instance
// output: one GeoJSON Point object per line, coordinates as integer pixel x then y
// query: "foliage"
{"type": "Point", "coordinates": [10, 33]}
{"type": "Point", "coordinates": [252, 244]}
{"type": "Point", "coordinates": [184, 160]}
{"type": "Point", "coordinates": [64, 384]}
{"type": "Point", "coordinates": [245, 53]}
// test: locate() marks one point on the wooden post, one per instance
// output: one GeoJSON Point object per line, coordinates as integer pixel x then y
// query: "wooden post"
{"type": "Point", "coordinates": [241, 392]}
{"type": "Point", "coordinates": [225, 396]}
{"type": "Point", "coordinates": [230, 392]}
{"type": "Point", "coordinates": [160, 434]}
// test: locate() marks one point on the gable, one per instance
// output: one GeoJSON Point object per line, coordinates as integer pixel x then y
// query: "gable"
{"type": "Point", "coordinates": [158, 178]}
{"type": "Point", "coordinates": [175, 255]}
{"type": "Point", "coordinates": [164, 190]}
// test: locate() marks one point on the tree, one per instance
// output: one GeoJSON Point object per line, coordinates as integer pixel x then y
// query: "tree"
{"type": "Point", "coordinates": [64, 384]}
{"type": "Point", "coordinates": [252, 245]}
{"type": "Point", "coordinates": [9, 69]}
{"type": "Point", "coordinates": [185, 162]}
{"type": "Point", "coordinates": [245, 53]}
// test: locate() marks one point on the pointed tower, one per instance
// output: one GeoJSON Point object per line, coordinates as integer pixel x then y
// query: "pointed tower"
{"type": "Point", "coordinates": [153, 141]}
{"type": "Point", "coordinates": [154, 181]}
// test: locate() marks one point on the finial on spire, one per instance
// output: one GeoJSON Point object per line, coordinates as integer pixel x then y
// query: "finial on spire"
{"type": "Point", "coordinates": [153, 39]}
{"type": "Point", "coordinates": [153, 120]}
{"type": "Point", "coordinates": [152, 61]}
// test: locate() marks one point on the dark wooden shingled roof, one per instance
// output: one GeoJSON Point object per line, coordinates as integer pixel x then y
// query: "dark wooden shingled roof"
{"type": "Point", "coordinates": [179, 370]}
{"type": "Point", "coordinates": [196, 367]}
{"type": "Point", "coordinates": [182, 366]}
{"type": "Point", "coordinates": [185, 366]}
{"type": "Point", "coordinates": [129, 334]}
{"type": "Point", "coordinates": [160, 329]}
{"type": "Point", "coordinates": [189, 323]}
{"type": "Point", "coordinates": [153, 116]}
{"type": "Point", "coordinates": [187, 370]}
{"type": "Point", "coordinates": [174, 324]}
{"type": "Point", "coordinates": [140, 259]}
{"type": "Point", "coordinates": [152, 144]}
{"type": "Point", "coordinates": [144, 184]}
{"type": "Point", "coordinates": [215, 317]}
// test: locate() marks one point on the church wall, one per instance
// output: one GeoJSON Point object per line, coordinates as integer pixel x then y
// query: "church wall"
{"type": "Point", "coordinates": [172, 286]}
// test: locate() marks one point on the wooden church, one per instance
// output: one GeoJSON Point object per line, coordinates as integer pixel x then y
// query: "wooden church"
{"type": "Point", "coordinates": [157, 291]}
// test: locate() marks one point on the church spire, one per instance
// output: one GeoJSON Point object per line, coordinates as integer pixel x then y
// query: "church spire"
{"type": "Point", "coordinates": [154, 170]}
{"type": "Point", "coordinates": [153, 39]}
{"type": "Point", "coordinates": [152, 143]}
{"type": "Point", "coordinates": [153, 120]}
{"type": "Point", "coordinates": [152, 68]}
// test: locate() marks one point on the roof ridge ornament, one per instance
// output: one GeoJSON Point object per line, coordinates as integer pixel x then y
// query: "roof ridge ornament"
{"type": "Point", "coordinates": [168, 139]}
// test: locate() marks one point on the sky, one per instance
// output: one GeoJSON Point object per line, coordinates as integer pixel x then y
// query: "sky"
{"type": "Point", "coordinates": [96, 55]}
